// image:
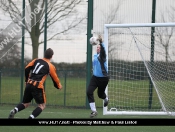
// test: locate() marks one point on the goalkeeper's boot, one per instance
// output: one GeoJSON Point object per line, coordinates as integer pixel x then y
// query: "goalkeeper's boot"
{"type": "Point", "coordinates": [12, 114]}
{"type": "Point", "coordinates": [93, 114]}
{"type": "Point", "coordinates": [106, 101]}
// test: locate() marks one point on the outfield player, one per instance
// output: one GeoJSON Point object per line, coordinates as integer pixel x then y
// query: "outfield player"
{"type": "Point", "coordinates": [35, 75]}
{"type": "Point", "coordinates": [99, 79]}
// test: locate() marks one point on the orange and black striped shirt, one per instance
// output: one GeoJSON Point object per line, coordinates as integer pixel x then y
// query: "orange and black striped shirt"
{"type": "Point", "coordinates": [38, 69]}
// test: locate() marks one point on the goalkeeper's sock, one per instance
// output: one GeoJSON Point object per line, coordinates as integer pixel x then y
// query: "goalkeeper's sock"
{"type": "Point", "coordinates": [19, 107]}
{"type": "Point", "coordinates": [35, 113]}
{"type": "Point", "coordinates": [92, 106]}
{"type": "Point", "coordinates": [106, 99]}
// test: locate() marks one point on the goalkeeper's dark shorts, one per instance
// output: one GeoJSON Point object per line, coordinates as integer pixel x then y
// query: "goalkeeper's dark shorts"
{"type": "Point", "coordinates": [32, 92]}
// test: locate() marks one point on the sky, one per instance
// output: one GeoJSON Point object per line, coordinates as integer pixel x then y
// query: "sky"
{"type": "Point", "coordinates": [74, 49]}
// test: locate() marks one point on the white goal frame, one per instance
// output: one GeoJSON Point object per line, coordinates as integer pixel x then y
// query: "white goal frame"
{"type": "Point", "coordinates": [113, 111]}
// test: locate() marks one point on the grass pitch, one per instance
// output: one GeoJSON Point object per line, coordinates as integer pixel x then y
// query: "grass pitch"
{"type": "Point", "coordinates": [71, 113]}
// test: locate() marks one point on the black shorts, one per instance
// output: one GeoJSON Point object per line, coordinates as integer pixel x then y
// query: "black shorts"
{"type": "Point", "coordinates": [32, 92]}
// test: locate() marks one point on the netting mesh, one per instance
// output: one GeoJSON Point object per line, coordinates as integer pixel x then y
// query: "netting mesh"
{"type": "Point", "coordinates": [141, 68]}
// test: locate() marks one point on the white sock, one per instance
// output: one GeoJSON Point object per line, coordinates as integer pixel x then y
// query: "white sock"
{"type": "Point", "coordinates": [93, 107]}
{"type": "Point", "coordinates": [16, 109]}
{"type": "Point", "coordinates": [32, 116]}
{"type": "Point", "coordinates": [106, 98]}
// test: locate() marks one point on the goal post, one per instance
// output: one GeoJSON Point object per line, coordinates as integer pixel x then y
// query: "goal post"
{"type": "Point", "coordinates": [141, 66]}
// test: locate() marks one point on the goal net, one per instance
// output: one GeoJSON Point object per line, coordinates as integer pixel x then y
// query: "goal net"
{"type": "Point", "coordinates": [141, 66]}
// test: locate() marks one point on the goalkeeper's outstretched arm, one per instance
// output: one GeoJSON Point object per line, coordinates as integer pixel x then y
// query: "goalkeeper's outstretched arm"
{"type": "Point", "coordinates": [102, 50]}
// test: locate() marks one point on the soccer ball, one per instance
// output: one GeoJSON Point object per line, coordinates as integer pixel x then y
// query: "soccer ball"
{"type": "Point", "coordinates": [94, 41]}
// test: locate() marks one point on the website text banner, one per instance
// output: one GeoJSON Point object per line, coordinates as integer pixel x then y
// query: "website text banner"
{"type": "Point", "coordinates": [87, 122]}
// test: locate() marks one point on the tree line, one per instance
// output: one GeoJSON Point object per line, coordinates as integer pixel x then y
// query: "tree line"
{"type": "Point", "coordinates": [117, 69]}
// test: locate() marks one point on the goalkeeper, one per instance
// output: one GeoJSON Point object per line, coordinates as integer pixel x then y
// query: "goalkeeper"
{"type": "Point", "coordinates": [99, 79]}
{"type": "Point", "coordinates": [39, 69]}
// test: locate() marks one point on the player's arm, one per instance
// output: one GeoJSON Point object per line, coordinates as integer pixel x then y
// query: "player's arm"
{"type": "Point", "coordinates": [55, 79]}
{"type": "Point", "coordinates": [28, 68]}
{"type": "Point", "coordinates": [102, 52]}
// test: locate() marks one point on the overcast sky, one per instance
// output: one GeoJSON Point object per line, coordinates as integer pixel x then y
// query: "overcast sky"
{"type": "Point", "coordinates": [74, 49]}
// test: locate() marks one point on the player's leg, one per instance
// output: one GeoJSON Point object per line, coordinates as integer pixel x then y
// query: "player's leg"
{"type": "Point", "coordinates": [40, 99]}
{"type": "Point", "coordinates": [36, 112]}
{"type": "Point", "coordinates": [90, 94]}
{"type": "Point", "coordinates": [26, 102]}
{"type": "Point", "coordinates": [102, 83]}
{"type": "Point", "coordinates": [18, 108]}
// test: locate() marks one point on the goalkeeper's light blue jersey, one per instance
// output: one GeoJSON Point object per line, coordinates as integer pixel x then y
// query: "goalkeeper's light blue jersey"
{"type": "Point", "coordinates": [97, 67]}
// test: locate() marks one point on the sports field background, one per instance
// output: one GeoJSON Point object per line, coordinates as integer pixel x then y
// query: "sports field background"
{"type": "Point", "coordinates": [70, 102]}
{"type": "Point", "coordinates": [71, 113]}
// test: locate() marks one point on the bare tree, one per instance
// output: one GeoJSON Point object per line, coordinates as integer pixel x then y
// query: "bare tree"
{"type": "Point", "coordinates": [112, 17]}
{"type": "Point", "coordinates": [165, 34]}
{"type": "Point", "coordinates": [57, 10]}
{"type": "Point", "coordinates": [172, 17]}
{"type": "Point", "coordinates": [12, 58]}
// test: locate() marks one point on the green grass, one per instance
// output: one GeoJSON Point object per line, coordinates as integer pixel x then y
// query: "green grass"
{"type": "Point", "coordinates": [70, 113]}
{"type": "Point", "coordinates": [74, 94]}
{"type": "Point", "coordinates": [131, 94]}
{"type": "Point", "coordinates": [88, 129]}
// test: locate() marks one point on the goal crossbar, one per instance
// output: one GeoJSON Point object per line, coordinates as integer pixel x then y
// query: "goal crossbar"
{"type": "Point", "coordinates": [139, 25]}
{"type": "Point", "coordinates": [114, 111]}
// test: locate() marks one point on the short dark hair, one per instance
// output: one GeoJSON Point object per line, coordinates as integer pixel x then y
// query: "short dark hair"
{"type": "Point", "coordinates": [48, 53]}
